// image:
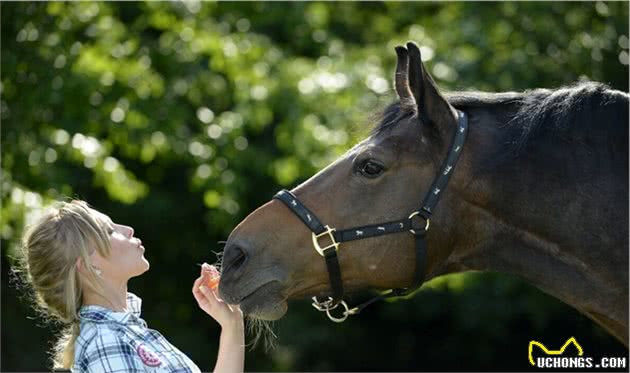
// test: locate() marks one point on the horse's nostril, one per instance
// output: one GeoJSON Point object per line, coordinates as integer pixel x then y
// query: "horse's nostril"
{"type": "Point", "coordinates": [234, 259]}
{"type": "Point", "coordinates": [239, 260]}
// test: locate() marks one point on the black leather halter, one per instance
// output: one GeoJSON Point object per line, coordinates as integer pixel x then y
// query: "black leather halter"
{"type": "Point", "coordinates": [326, 240]}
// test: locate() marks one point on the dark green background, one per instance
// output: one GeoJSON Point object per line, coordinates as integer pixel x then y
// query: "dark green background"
{"type": "Point", "coordinates": [180, 118]}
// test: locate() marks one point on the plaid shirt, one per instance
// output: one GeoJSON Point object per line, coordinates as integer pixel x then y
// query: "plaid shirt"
{"type": "Point", "coordinates": [121, 342]}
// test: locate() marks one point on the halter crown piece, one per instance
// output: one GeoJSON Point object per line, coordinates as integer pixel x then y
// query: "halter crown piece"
{"type": "Point", "coordinates": [327, 240]}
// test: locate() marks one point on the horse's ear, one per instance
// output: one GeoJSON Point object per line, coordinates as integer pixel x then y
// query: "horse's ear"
{"type": "Point", "coordinates": [429, 102]}
{"type": "Point", "coordinates": [401, 79]}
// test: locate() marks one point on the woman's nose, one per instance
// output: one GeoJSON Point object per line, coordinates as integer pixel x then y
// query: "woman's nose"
{"type": "Point", "coordinates": [128, 230]}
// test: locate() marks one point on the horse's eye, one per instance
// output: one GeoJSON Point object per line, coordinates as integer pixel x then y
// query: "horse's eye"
{"type": "Point", "coordinates": [371, 169]}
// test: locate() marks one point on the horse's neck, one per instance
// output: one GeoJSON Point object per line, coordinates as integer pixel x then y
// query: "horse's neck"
{"type": "Point", "coordinates": [505, 248]}
{"type": "Point", "coordinates": [516, 221]}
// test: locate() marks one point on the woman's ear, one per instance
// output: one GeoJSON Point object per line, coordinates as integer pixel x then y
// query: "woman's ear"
{"type": "Point", "coordinates": [83, 269]}
{"type": "Point", "coordinates": [81, 266]}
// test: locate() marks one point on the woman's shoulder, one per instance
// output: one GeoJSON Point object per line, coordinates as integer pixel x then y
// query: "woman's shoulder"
{"type": "Point", "coordinates": [105, 343]}
{"type": "Point", "coordinates": [95, 336]}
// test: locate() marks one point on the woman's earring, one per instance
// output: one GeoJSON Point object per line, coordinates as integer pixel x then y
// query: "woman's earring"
{"type": "Point", "coordinates": [97, 271]}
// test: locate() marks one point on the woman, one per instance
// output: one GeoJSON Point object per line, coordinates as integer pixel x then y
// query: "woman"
{"type": "Point", "coordinates": [79, 262]}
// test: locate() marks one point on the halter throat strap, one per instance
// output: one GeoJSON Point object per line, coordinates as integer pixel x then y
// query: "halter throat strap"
{"type": "Point", "coordinates": [326, 240]}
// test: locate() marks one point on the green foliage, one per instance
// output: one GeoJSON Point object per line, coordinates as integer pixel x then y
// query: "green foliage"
{"type": "Point", "coordinates": [180, 118]}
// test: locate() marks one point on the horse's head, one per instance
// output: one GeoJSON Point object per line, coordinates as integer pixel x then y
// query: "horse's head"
{"type": "Point", "coordinates": [270, 256]}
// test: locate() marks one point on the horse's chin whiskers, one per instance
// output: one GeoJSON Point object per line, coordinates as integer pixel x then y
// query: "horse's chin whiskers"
{"type": "Point", "coordinates": [262, 332]}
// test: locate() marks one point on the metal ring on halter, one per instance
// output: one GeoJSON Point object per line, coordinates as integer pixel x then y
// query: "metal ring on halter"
{"type": "Point", "coordinates": [323, 306]}
{"type": "Point", "coordinates": [426, 226]}
{"type": "Point", "coordinates": [346, 313]}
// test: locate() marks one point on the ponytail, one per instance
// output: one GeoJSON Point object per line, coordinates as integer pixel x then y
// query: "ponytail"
{"type": "Point", "coordinates": [64, 349]}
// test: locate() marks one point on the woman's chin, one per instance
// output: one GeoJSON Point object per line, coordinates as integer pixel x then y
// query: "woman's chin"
{"type": "Point", "coordinates": [145, 266]}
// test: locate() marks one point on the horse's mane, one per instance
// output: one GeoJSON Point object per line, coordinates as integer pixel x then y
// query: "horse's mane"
{"type": "Point", "coordinates": [587, 113]}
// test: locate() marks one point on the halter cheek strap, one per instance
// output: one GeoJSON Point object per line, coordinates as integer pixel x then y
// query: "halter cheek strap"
{"type": "Point", "coordinates": [326, 240]}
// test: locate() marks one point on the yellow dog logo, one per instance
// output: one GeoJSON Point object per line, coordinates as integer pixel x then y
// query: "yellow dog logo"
{"type": "Point", "coordinates": [553, 352]}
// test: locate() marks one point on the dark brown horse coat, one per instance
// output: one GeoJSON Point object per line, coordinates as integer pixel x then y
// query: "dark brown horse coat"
{"type": "Point", "coordinates": [540, 191]}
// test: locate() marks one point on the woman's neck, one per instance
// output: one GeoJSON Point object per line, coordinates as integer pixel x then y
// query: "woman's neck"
{"type": "Point", "coordinates": [113, 297]}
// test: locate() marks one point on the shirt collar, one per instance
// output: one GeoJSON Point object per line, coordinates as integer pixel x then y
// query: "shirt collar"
{"type": "Point", "coordinates": [101, 314]}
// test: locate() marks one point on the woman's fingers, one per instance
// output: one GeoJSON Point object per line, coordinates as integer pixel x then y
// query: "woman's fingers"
{"type": "Point", "coordinates": [209, 301]}
{"type": "Point", "coordinates": [200, 297]}
{"type": "Point", "coordinates": [197, 283]}
{"type": "Point", "coordinates": [210, 295]}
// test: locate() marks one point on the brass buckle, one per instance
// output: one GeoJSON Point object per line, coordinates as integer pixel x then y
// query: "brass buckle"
{"type": "Point", "coordinates": [329, 231]}
{"type": "Point", "coordinates": [426, 226]}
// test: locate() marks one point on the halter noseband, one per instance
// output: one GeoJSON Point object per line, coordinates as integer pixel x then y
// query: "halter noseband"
{"type": "Point", "coordinates": [326, 240]}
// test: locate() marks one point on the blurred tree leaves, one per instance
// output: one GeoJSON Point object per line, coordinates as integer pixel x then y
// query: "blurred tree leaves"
{"type": "Point", "coordinates": [180, 118]}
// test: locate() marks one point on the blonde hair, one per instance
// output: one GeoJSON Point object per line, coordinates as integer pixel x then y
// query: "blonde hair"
{"type": "Point", "coordinates": [51, 248]}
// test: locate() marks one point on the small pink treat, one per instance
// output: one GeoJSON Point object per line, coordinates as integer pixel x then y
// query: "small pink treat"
{"type": "Point", "coordinates": [212, 275]}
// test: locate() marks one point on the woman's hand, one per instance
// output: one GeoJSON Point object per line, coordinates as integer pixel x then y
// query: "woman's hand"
{"type": "Point", "coordinates": [208, 300]}
{"type": "Point", "coordinates": [231, 357]}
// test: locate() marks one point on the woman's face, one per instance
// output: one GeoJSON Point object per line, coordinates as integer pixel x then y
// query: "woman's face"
{"type": "Point", "coordinates": [126, 258]}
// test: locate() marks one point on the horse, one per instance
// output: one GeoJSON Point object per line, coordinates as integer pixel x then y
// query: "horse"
{"type": "Point", "coordinates": [539, 189]}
